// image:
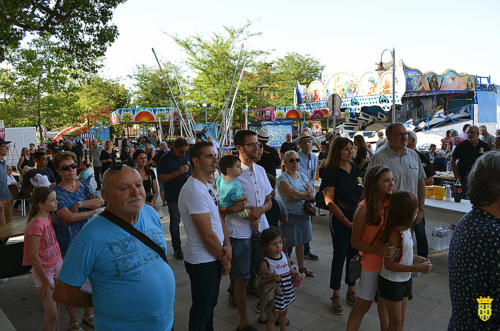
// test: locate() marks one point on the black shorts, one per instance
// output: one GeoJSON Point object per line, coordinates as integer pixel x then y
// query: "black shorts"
{"type": "Point", "coordinates": [394, 291]}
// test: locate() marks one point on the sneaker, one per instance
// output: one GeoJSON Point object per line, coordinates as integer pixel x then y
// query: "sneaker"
{"type": "Point", "coordinates": [311, 256]}
{"type": "Point", "coordinates": [178, 255]}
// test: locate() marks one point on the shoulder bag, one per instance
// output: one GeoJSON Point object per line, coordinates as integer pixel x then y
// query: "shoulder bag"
{"type": "Point", "coordinates": [308, 207]}
{"type": "Point", "coordinates": [355, 263]}
{"type": "Point", "coordinates": [134, 232]}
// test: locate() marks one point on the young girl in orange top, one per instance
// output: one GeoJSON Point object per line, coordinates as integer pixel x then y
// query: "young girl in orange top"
{"type": "Point", "coordinates": [369, 222]}
{"type": "Point", "coordinates": [395, 283]}
{"type": "Point", "coordinates": [42, 252]}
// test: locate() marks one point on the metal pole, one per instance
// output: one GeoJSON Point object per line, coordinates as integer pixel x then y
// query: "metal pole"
{"type": "Point", "coordinates": [206, 117]}
{"type": "Point", "coordinates": [393, 85]}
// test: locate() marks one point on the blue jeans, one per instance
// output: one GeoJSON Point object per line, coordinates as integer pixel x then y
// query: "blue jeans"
{"type": "Point", "coordinates": [97, 177]}
{"type": "Point", "coordinates": [342, 251]}
{"type": "Point", "coordinates": [422, 245]}
{"type": "Point", "coordinates": [205, 281]}
{"type": "Point", "coordinates": [175, 219]}
{"type": "Point", "coordinates": [247, 256]}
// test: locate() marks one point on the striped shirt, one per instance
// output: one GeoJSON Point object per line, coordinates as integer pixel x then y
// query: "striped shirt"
{"type": "Point", "coordinates": [281, 268]}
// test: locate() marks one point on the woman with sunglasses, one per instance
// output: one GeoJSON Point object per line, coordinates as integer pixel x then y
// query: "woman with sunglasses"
{"type": "Point", "coordinates": [77, 202]}
{"type": "Point", "coordinates": [149, 182]}
{"type": "Point", "coordinates": [294, 189]}
{"type": "Point", "coordinates": [341, 186]}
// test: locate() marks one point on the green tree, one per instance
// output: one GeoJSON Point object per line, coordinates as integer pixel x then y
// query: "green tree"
{"type": "Point", "coordinates": [151, 90]}
{"type": "Point", "coordinates": [96, 95]}
{"type": "Point", "coordinates": [290, 69]}
{"type": "Point", "coordinates": [83, 27]}
{"type": "Point", "coordinates": [38, 86]}
{"type": "Point", "coordinates": [213, 61]}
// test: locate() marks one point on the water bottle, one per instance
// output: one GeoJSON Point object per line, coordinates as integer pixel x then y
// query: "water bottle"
{"type": "Point", "coordinates": [457, 191]}
{"type": "Point", "coordinates": [435, 239]}
{"type": "Point", "coordinates": [448, 238]}
{"type": "Point", "coordinates": [448, 192]}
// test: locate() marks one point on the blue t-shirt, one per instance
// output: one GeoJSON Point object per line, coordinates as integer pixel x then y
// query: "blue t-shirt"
{"type": "Point", "coordinates": [132, 287]}
{"type": "Point", "coordinates": [4, 190]}
{"type": "Point", "coordinates": [228, 191]}
{"type": "Point", "coordinates": [85, 174]}
{"type": "Point", "coordinates": [65, 233]}
{"type": "Point", "coordinates": [170, 163]}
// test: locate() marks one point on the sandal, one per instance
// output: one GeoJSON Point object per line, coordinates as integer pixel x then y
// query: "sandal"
{"type": "Point", "coordinates": [307, 272]}
{"type": "Point", "coordinates": [89, 320]}
{"type": "Point", "coordinates": [277, 322]}
{"type": "Point", "coordinates": [75, 327]}
{"type": "Point", "coordinates": [350, 298]}
{"type": "Point", "coordinates": [337, 308]}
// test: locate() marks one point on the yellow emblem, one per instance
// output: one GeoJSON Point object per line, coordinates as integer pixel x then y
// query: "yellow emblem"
{"type": "Point", "coordinates": [484, 308]}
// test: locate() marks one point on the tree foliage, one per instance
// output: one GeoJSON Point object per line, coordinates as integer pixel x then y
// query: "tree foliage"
{"type": "Point", "coordinates": [82, 27]}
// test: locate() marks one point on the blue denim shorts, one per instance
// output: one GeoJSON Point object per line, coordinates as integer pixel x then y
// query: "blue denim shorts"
{"type": "Point", "coordinates": [247, 256]}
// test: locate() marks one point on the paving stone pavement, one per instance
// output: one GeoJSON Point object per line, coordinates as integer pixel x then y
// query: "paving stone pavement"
{"type": "Point", "coordinates": [430, 309]}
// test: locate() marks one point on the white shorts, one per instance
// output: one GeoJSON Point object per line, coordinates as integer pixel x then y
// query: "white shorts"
{"type": "Point", "coordinates": [367, 285]}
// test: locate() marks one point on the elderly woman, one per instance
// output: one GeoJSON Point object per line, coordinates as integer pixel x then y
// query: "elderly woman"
{"type": "Point", "coordinates": [77, 202]}
{"type": "Point", "coordinates": [148, 177]}
{"type": "Point", "coordinates": [474, 259]}
{"type": "Point", "coordinates": [294, 189]}
{"type": "Point", "coordinates": [342, 190]}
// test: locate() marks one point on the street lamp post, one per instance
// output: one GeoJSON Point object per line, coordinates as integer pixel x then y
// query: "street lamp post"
{"type": "Point", "coordinates": [381, 68]}
{"type": "Point", "coordinates": [205, 106]}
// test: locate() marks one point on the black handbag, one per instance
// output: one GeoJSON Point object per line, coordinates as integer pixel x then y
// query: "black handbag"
{"type": "Point", "coordinates": [136, 233]}
{"type": "Point", "coordinates": [355, 263]}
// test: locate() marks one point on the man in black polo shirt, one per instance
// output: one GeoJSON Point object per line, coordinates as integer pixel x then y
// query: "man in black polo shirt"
{"type": "Point", "coordinates": [173, 171]}
{"type": "Point", "coordinates": [288, 145]}
{"type": "Point", "coordinates": [270, 159]}
{"type": "Point", "coordinates": [40, 159]}
{"type": "Point", "coordinates": [466, 153]}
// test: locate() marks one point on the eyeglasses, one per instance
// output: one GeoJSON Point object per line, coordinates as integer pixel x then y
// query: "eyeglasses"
{"type": "Point", "coordinates": [67, 167]}
{"type": "Point", "coordinates": [254, 145]}
{"type": "Point", "coordinates": [294, 160]}
{"type": "Point", "coordinates": [216, 201]}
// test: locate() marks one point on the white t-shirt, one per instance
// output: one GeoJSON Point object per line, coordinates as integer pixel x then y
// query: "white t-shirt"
{"type": "Point", "coordinates": [195, 198]}
{"type": "Point", "coordinates": [255, 185]}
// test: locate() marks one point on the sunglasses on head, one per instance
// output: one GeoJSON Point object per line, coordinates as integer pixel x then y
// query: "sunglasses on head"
{"type": "Point", "coordinates": [294, 160]}
{"type": "Point", "coordinates": [116, 167]}
{"type": "Point", "coordinates": [67, 167]}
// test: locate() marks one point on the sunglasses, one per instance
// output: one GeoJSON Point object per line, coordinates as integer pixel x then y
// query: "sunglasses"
{"type": "Point", "coordinates": [294, 160]}
{"type": "Point", "coordinates": [67, 167]}
{"type": "Point", "coordinates": [216, 201]}
{"type": "Point", "coordinates": [116, 167]}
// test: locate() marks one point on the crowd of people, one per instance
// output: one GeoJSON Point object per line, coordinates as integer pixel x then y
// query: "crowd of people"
{"type": "Point", "coordinates": [242, 220]}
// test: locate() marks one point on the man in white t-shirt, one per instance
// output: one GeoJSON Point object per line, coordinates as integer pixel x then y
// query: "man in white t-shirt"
{"type": "Point", "coordinates": [207, 254]}
{"type": "Point", "coordinates": [215, 146]}
{"type": "Point", "coordinates": [246, 249]}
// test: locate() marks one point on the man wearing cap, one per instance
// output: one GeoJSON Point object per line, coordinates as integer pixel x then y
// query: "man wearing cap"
{"type": "Point", "coordinates": [5, 203]}
{"type": "Point", "coordinates": [308, 165]}
{"type": "Point", "coordinates": [270, 159]}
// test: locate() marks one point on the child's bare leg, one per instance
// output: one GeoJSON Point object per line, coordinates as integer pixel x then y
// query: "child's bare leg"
{"type": "Point", "coordinates": [51, 321]}
{"type": "Point", "coordinates": [282, 319]}
{"type": "Point", "coordinates": [271, 316]}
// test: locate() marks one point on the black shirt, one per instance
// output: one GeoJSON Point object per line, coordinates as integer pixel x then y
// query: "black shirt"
{"type": "Point", "coordinates": [361, 154]}
{"type": "Point", "coordinates": [33, 172]}
{"type": "Point", "coordinates": [347, 188]}
{"type": "Point", "coordinates": [170, 163]}
{"type": "Point", "coordinates": [288, 146]}
{"type": "Point", "coordinates": [148, 185]}
{"type": "Point", "coordinates": [106, 156]}
{"type": "Point", "coordinates": [427, 164]}
{"type": "Point", "coordinates": [467, 155]}
{"type": "Point", "coordinates": [270, 160]}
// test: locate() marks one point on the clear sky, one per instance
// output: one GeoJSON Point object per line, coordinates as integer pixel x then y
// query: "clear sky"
{"type": "Point", "coordinates": [347, 36]}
